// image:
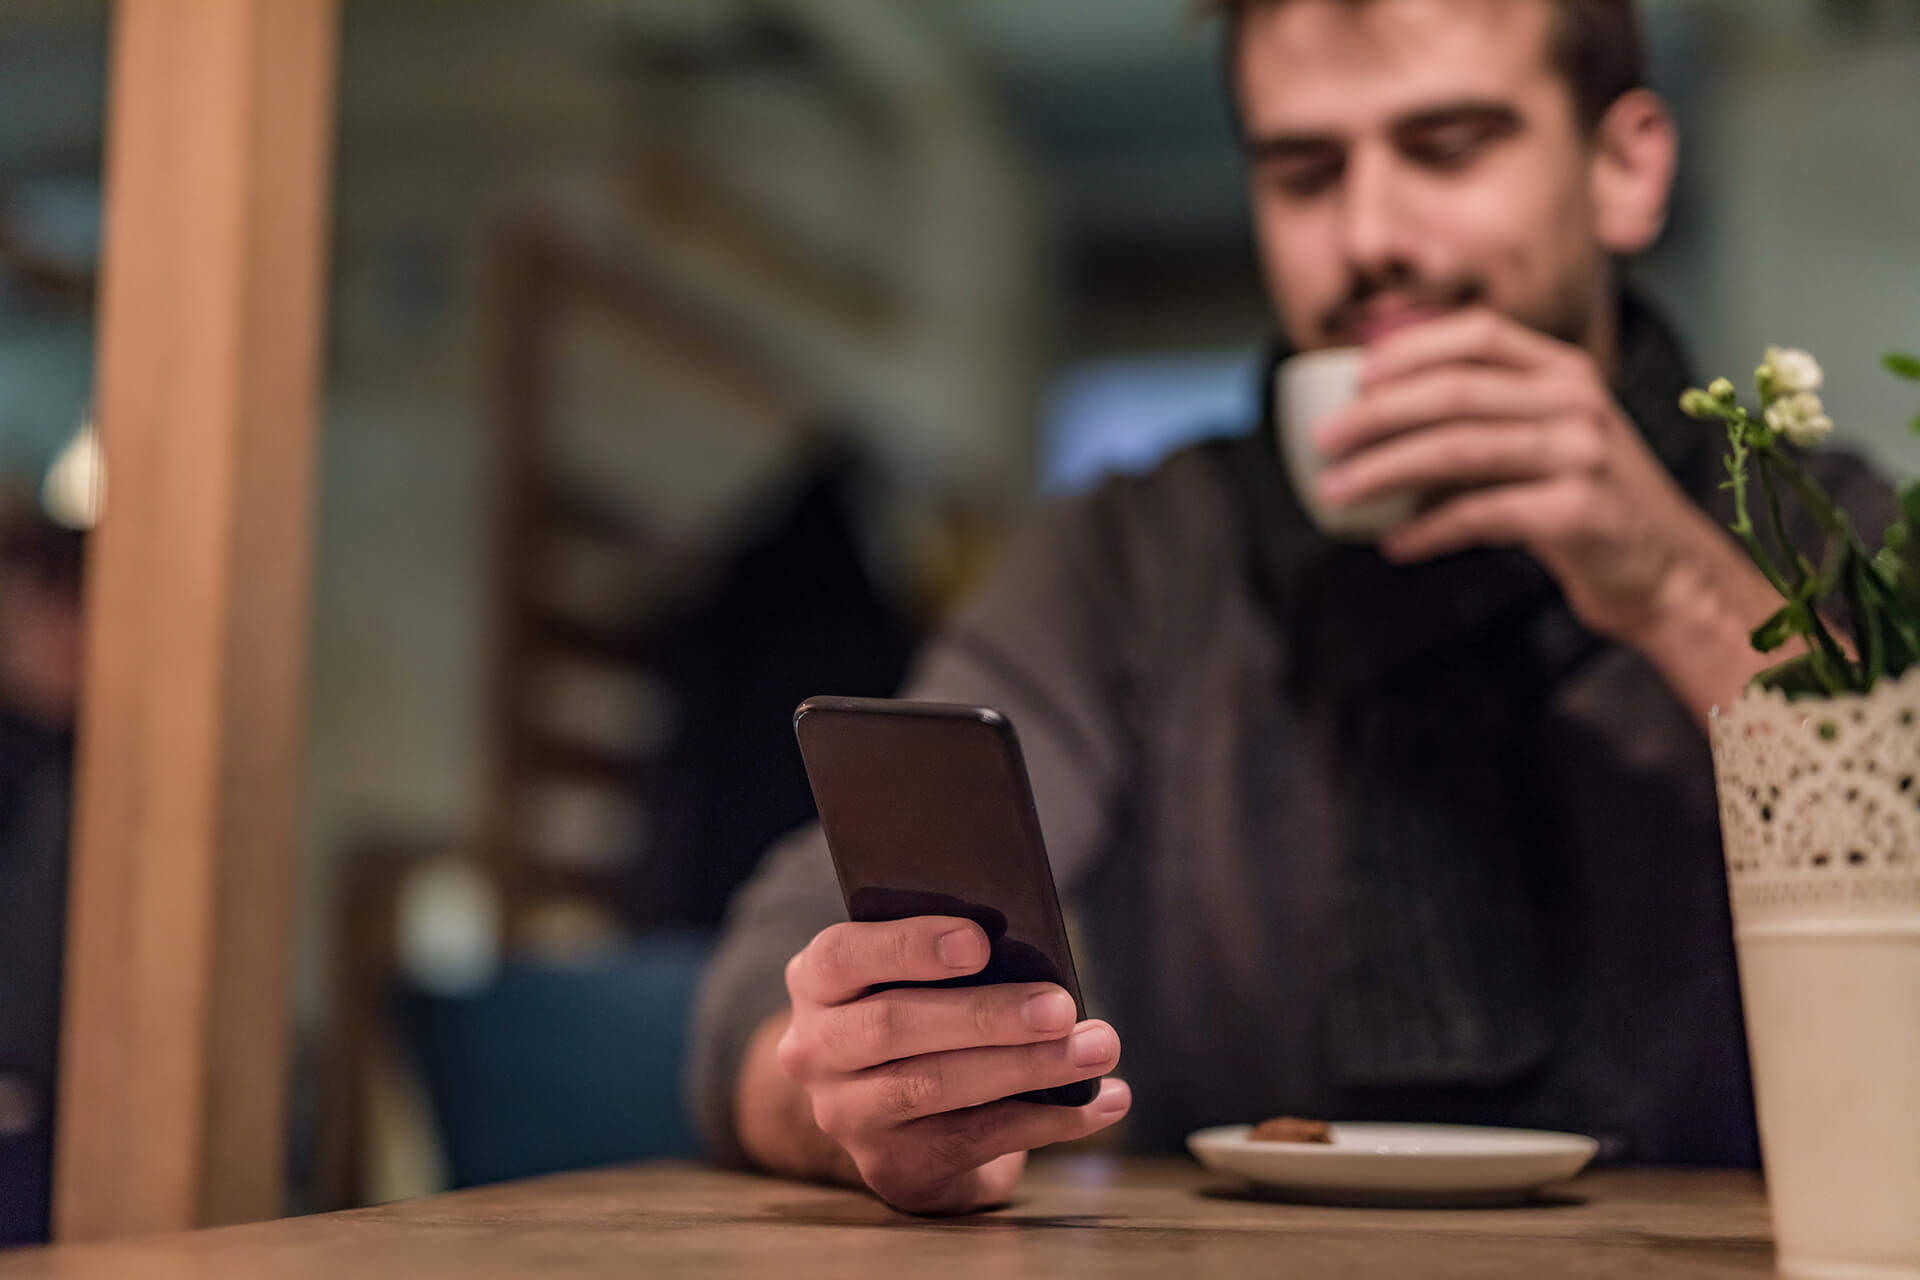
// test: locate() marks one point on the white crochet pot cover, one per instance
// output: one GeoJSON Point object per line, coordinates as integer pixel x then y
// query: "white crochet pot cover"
{"type": "Point", "coordinates": [1820, 803]}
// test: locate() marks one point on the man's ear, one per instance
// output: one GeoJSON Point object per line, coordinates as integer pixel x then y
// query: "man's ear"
{"type": "Point", "coordinates": [1635, 149]}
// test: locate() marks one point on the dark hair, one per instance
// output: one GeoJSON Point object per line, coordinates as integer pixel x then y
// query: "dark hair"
{"type": "Point", "coordinates": [1595, 43]}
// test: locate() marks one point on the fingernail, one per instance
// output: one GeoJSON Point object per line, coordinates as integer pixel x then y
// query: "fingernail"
{"type": "Point", "coordinates": [1048, 1011]}
{"type": "Point", "coordinates": [1113, 1099]}
{"type": "Point", "coordinates": [1090, 1046]}
{"type": "Point", "coordinates": [960, 949]}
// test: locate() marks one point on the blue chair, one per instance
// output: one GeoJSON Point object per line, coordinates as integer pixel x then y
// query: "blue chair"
{"type": "Point", "coordinates": [561, 1064]}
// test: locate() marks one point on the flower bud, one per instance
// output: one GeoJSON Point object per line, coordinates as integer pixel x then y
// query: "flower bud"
{"type": "Point", "coordinates": [1721, 389]}
{"type": "Point", "coordinates": [1696, 403]}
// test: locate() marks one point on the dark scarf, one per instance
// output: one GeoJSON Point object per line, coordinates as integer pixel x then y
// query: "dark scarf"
{"type": "Point", "coordinates": [1430, 687]}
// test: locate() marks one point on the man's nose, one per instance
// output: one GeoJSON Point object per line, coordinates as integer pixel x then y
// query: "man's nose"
{"type": "Point", "coordinates": [1375, 220]}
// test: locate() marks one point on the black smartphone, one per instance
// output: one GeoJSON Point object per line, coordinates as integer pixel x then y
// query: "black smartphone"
{"type": "Point", "coordinates": [928, 812]}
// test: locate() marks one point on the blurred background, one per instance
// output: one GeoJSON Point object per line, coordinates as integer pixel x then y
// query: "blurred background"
{"type": "Point", "coordinates": [688, 358]}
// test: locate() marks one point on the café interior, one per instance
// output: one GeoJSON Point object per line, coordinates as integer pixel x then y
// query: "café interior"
{"type": "Point", "coordinates": [441, 443]}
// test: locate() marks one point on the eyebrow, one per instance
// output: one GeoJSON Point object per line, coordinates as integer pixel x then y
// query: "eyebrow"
{"type": "Point", "coordinates": [1286, 145]}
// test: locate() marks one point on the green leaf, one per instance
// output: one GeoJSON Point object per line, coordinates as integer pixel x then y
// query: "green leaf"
{"type": "Point", "coordinates": [1902, 365]}
{"type": "Point", "coordinates": [1792, 620]}
{"type": "Point", "coordinates": [1795, 678]}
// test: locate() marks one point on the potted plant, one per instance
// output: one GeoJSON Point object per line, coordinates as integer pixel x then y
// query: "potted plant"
{"type": "Point", "coordinates": [1817, 765]}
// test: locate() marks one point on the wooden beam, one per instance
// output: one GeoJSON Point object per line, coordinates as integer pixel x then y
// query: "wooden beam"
{"type": "Point", "coordinates": [174, 1063]}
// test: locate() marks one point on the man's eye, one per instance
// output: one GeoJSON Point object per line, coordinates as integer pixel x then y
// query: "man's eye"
{"type": "Point", "coordinates": [1301, 179]}
{"type": "Point", "coordinates": [1448, 148]}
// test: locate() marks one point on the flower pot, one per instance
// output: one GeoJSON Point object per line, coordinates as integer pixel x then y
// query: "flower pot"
{"type": "Point", "coordinates": [1820, 809]}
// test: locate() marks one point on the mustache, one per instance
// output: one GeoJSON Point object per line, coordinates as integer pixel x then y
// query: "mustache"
{"type": "Point", "coordinates": [1342, 320]}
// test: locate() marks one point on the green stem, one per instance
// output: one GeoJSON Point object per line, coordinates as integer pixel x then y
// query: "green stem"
{"type": "Point", "coordinates": [1778, 520]}
{"type": "Point", "coordinates": [1866, 626]}
{"type": "Point", "coordinates": [1889, 607]}
{"type": "Point", "coordinates": [1743, 521]}
{"type": "Point", "coordinates": [1828, 660]}
{"type": "Point", "coordinates": [1831, 519]}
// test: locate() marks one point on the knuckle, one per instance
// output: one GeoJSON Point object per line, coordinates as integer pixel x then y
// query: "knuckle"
{"type": "Point", "coordinates": [1039, 1062]}
{"type": "Point", "coordinates": [1584, 448]}
{"type": "Point", "coordinates": [892, 1174]}
{"type": "Point", "coordinates": [909, 1090]}
{"type": "Point", "coordinates": [879, 1025]}
{"type": "Point", "coordinates": [796, 969]}
{"type": "Point", "coordinates": [1595, 459]}
{"type": "Point", "coordinates": [983, 1014]}
{"type": "Point", "coordinates": [1472, 518]}
{"type": "Point", "coordinates": [835, 950]}
{"type": "Point", "coordinates": [1486, 450]}
{"type": "Point", "coordinates": [1456, 395]}
{"type": "Point", "coordinates": [1578, 512]}
{"type": "Point", "coordinates": [830, 1112]}
{"type": "Point", "coordinates": [905, 946]}
{"type": "Point", "coordinates": [1544, 452]}
{"type": "Point", "coordinates": [1363, 425]}
{"type": "Point", "coordinates": [963, 1145]}
{"type": "Point", "coordinates": [793, 1054]}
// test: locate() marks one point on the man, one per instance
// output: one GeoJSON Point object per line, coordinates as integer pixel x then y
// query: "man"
{"type": "Point", "coordinates": [1421, 831]}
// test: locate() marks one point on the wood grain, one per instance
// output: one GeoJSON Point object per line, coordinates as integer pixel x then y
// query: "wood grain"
{"type": "Point", "coordinates": [1089, 1216]}
{"type": "Point", "coordinates": [173, 1074]}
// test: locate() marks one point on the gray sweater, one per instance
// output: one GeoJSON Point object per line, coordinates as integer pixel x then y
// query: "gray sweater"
{"type": "Point", "coordinates": [1187, 809]}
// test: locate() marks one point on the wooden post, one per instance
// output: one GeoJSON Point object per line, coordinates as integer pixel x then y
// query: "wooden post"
{"type": "Point", "coordinates": [174, 1064]}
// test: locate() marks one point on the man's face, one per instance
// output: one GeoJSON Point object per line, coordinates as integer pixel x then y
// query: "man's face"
{"type": "Point", "coordinates": [1412, 156]}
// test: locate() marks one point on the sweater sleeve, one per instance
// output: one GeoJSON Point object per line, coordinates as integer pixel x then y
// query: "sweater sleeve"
{"type": "Point", "coordinates": [1045, 643]}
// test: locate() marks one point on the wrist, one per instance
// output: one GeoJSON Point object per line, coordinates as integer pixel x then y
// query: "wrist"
{"type": "Point", "coordinates": [1698, 630]}
{"type": "Point", "coordinates": [773, 1116]}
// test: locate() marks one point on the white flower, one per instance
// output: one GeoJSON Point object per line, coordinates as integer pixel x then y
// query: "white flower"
{"type": "Point", "coordinates": [1801, 418]}
{"type": "Point", "coordinates": [1794, 370]}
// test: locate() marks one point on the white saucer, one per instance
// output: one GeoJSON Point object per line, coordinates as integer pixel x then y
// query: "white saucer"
{"type": "Point", "coordinates": [1408, 1165]}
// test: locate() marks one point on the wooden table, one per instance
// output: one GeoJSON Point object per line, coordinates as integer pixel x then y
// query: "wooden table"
{"type": "Point", "coordinates": [1086, 1216]}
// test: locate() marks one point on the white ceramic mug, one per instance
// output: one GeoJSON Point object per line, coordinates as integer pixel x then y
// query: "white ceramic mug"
{"type": "Point", "coordinates": [1309, 388]}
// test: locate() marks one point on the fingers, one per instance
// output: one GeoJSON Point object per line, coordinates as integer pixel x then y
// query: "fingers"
{"type": "Point", "coordinates": [968, 1139]}
{"type": "Point", "coordinates": [888, 1096]}
{"type": "Point", "coordinates": [968, 1191]}
{"type": "Point", "coordinates": [891, 1025]}
{"type": "Point", "coordinates": [842, 962]}
{"type": "Point", "coordinates": [1448, 393]}
{"type": "Point", "coordinates": [1464, 455]}
{"type": "Point", "coordinates": [1475, 334]}
{"type": "Point", "coordinates": [1506, 516]}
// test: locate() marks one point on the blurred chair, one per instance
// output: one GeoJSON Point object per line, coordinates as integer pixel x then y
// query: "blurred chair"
{"type": "Point", "coordinates": [452, 1062]}
{"type": "Point", "coordinates": [560, 1064]}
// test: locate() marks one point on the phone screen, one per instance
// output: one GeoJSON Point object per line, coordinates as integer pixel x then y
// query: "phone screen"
{"type": "Point", "coordinates": [927, 811]}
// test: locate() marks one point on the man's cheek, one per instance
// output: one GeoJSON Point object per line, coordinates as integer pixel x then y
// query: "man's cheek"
{"type": "Point", "coordinates": [1303, 285]}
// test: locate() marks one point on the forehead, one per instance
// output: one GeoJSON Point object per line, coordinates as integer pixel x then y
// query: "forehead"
{"type": "Point", "coordinates": [1313, 64]}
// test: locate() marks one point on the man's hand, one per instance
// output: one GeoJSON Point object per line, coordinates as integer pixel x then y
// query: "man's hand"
{"type": "Point", "coordinates": [910, 1083]}
{"type": "Point", "coordinates": [1519, 443]}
